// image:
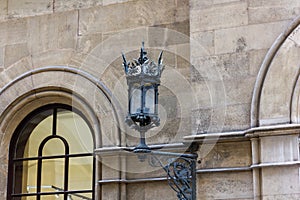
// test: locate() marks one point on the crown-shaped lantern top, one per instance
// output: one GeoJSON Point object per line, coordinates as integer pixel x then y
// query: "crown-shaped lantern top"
{"type": "Point", "coordinates": [143, 68]}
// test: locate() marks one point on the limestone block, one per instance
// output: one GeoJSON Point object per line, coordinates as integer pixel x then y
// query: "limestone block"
{"type": "Point", "coordinates": [3, 9]}
{"type": "Point", "coordinates": [229, 154]}
{"type": "Point", "coordinates": [109, 2]}
{"type": "Point", "coordinates": [13, 31]}
{"type": "Point", "coordinates": [22, 66]}
{"type": "Point", "coordinates": [15, 52]}
{"type": "Point", "coordinates": [45, 79]}
{"type": "Point", "coordinates": [245, 38]}
{"type": "Point", "coordinates": [239, 91]}
{"type": "Point", "coordinates": [280, 183]}
{"type": "Point", "coordinates": [256, 58]}
{"type": "Point", "coordinates": [225, 185]}
{"type": "Point", "coordinates": [52, 58]}
{"type": "Point", "coordinates": [295, 35]}
{"type": "Point", "coordinates": [237, 117]}
{"type": "Point", "coordinates": [162, 191]}
{"type": "Point", "coordinates": [29, 7]}
{"type": "Point", "coordinates": [224, 1]}
{"type": "Point", "coordinates": [1, 57]}
{"type": "Point", "coordinates": [87, 43]}
{"type": "Point", "coordinates": [64, 5]}
{"type": "Point", "coordinates": [18, 89]}
{"type": "Point", "coordinates": [270, 3]}
{"type": "Point", "coordinates": [218, 17]}
{"type": "Point", "coordinates": [126, 15]}
{"type": "Point", "coordinates": [170, 34]}
{"type": "Point", "coordinates": [279, 148]}
{"type": "Point", "coordinates": [266, 14]}
{"type": "Point", "coordinates": [110, 191]}
{"type": "Point", "coordinates": [110, 167]}
{"type": "Point", "coordinates": [204, 40]}
{"type": "Point", "coordinates": [54, 31]}
{"type": "Point", "coordinates": [182, 10]}
{"type": "Point", "coordinates": [221, 67]}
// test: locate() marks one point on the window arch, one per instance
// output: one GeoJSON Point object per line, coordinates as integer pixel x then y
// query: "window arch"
{"type": "Point", "coordinates": [51, 156]}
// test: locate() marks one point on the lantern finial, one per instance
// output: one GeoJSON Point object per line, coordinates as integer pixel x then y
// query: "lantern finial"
{"type": "Point", "coordinates": [143, 67]}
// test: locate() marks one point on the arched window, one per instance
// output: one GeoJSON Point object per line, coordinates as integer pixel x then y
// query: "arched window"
{"type": "Point", "coordinates": [51, 156]}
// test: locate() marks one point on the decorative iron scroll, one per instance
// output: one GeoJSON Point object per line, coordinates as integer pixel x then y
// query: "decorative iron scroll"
{"type": "Point", "coordinates": [181, 172]}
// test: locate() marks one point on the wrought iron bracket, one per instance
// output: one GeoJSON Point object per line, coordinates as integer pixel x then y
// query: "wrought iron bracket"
{"type": "Point", "coordinates": [180, 169]}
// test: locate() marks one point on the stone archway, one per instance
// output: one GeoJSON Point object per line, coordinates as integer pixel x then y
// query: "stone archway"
{"type": "Point", "coordinates": [36, 87]}
{"type": "Point", "coordinates": [274, 98]}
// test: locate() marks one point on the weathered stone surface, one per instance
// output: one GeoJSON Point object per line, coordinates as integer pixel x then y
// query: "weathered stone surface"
{"type": "Point", "coordinates": [110, 191]}
{"type": "Point", "coordinates": [207, 3]}
{"type": "Point", "coordinates": [229, 154]}
{"type": "Point", "coordinates": [224, 1]}
{"type": "Point", "coordinates": [165, 192]}
{"type": "Point", "coordinates": [108, 2]}
{"type": "Point", "coordinates": [65, 5]}
{"type": "Point", "coordinates": [62, 57]}
{"type": "Point", "coordinates": [272, 13]}
{"type": "Point", "coordinates": [204, 40]}
{"type": "Point", "coordinates": [1, 57]}
{"type": "Point", "coordinates": [125, 16]}
{"type": "Point", "coordinates": [87, 43]}
{"type": "Point", "coordinates": [225, 185]}
{"type": "Point", "coordinates": [221, 67]}
{"type": "Point", "coordinates": [50, 32]}
{"type": "Point", "coordinates": [256, 58]}
{"type": "Point", "coordinates": [171, 34]}
{"type": "Point", "coordinates": [216, 17]}
{"type": "Point", "coordinates": [3, 9]}
{"type": "Point", "coordinates": [13, 31]}
{"type": "Point", "coordinates": [237, 117]}
{"type": "Point", "coordinates": [22, 66]}
{"type": "Point", "coordinates": [245, 38]}
{"type": "Point", "coordinates": [279, 149]}
{"type": "Point", "coordinates": [284, 182]}
{"type": "Point", "coordinates": [15, 52]}
{"type": "Point", "coordinates": [270, 3]}
{"type": "Point", "coordinates": [238, 91]}
{"type": "Point", "coordinates": [29, 7]}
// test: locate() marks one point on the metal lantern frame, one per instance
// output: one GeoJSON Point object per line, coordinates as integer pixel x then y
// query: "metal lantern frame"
{"type": "Point", "coordinates": [142, 77]}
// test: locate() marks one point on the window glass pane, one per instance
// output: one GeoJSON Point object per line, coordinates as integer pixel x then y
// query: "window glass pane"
{"type": "Point", "coordinates": [52, 175]}
{"type": "Point", "coordinates": [41, 131]}
{"type": "Point", "coordinates": [135, 101]}
{"type": "Point", "coordinates": [81, 173]}
{"type": "Point", "coordinates": [150, 101]}
{"type": "Point", "coordinates": [54, 146]}
{"type": "Point", "coordinates": [75, 130]}
{"type": "Point", "coordinates": [25, 171]}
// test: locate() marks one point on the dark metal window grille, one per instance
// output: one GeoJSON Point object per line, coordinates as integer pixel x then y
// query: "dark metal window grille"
{"type": "Point", "coordinates": [17, 158]}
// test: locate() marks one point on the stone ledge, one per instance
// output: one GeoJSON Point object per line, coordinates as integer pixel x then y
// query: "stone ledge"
{"type": "Point", "coordinates": [285, 129]}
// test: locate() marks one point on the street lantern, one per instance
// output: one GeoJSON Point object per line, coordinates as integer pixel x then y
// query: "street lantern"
{"type": "Point", "coordinates": [143, 79]}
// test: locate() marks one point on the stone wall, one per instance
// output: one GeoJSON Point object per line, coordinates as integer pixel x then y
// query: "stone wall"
{"type": "Point", "coordinates": [214, 89]}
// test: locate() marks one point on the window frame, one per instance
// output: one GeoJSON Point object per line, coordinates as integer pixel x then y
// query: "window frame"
{"type": "Point", "coordinates": [14, 158]}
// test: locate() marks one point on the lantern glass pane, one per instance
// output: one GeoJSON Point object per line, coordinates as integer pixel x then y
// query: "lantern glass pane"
{"type": "Point", "coordinates": [135, 101]}
{"type": "Point", "coordinates": [150, 101]}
